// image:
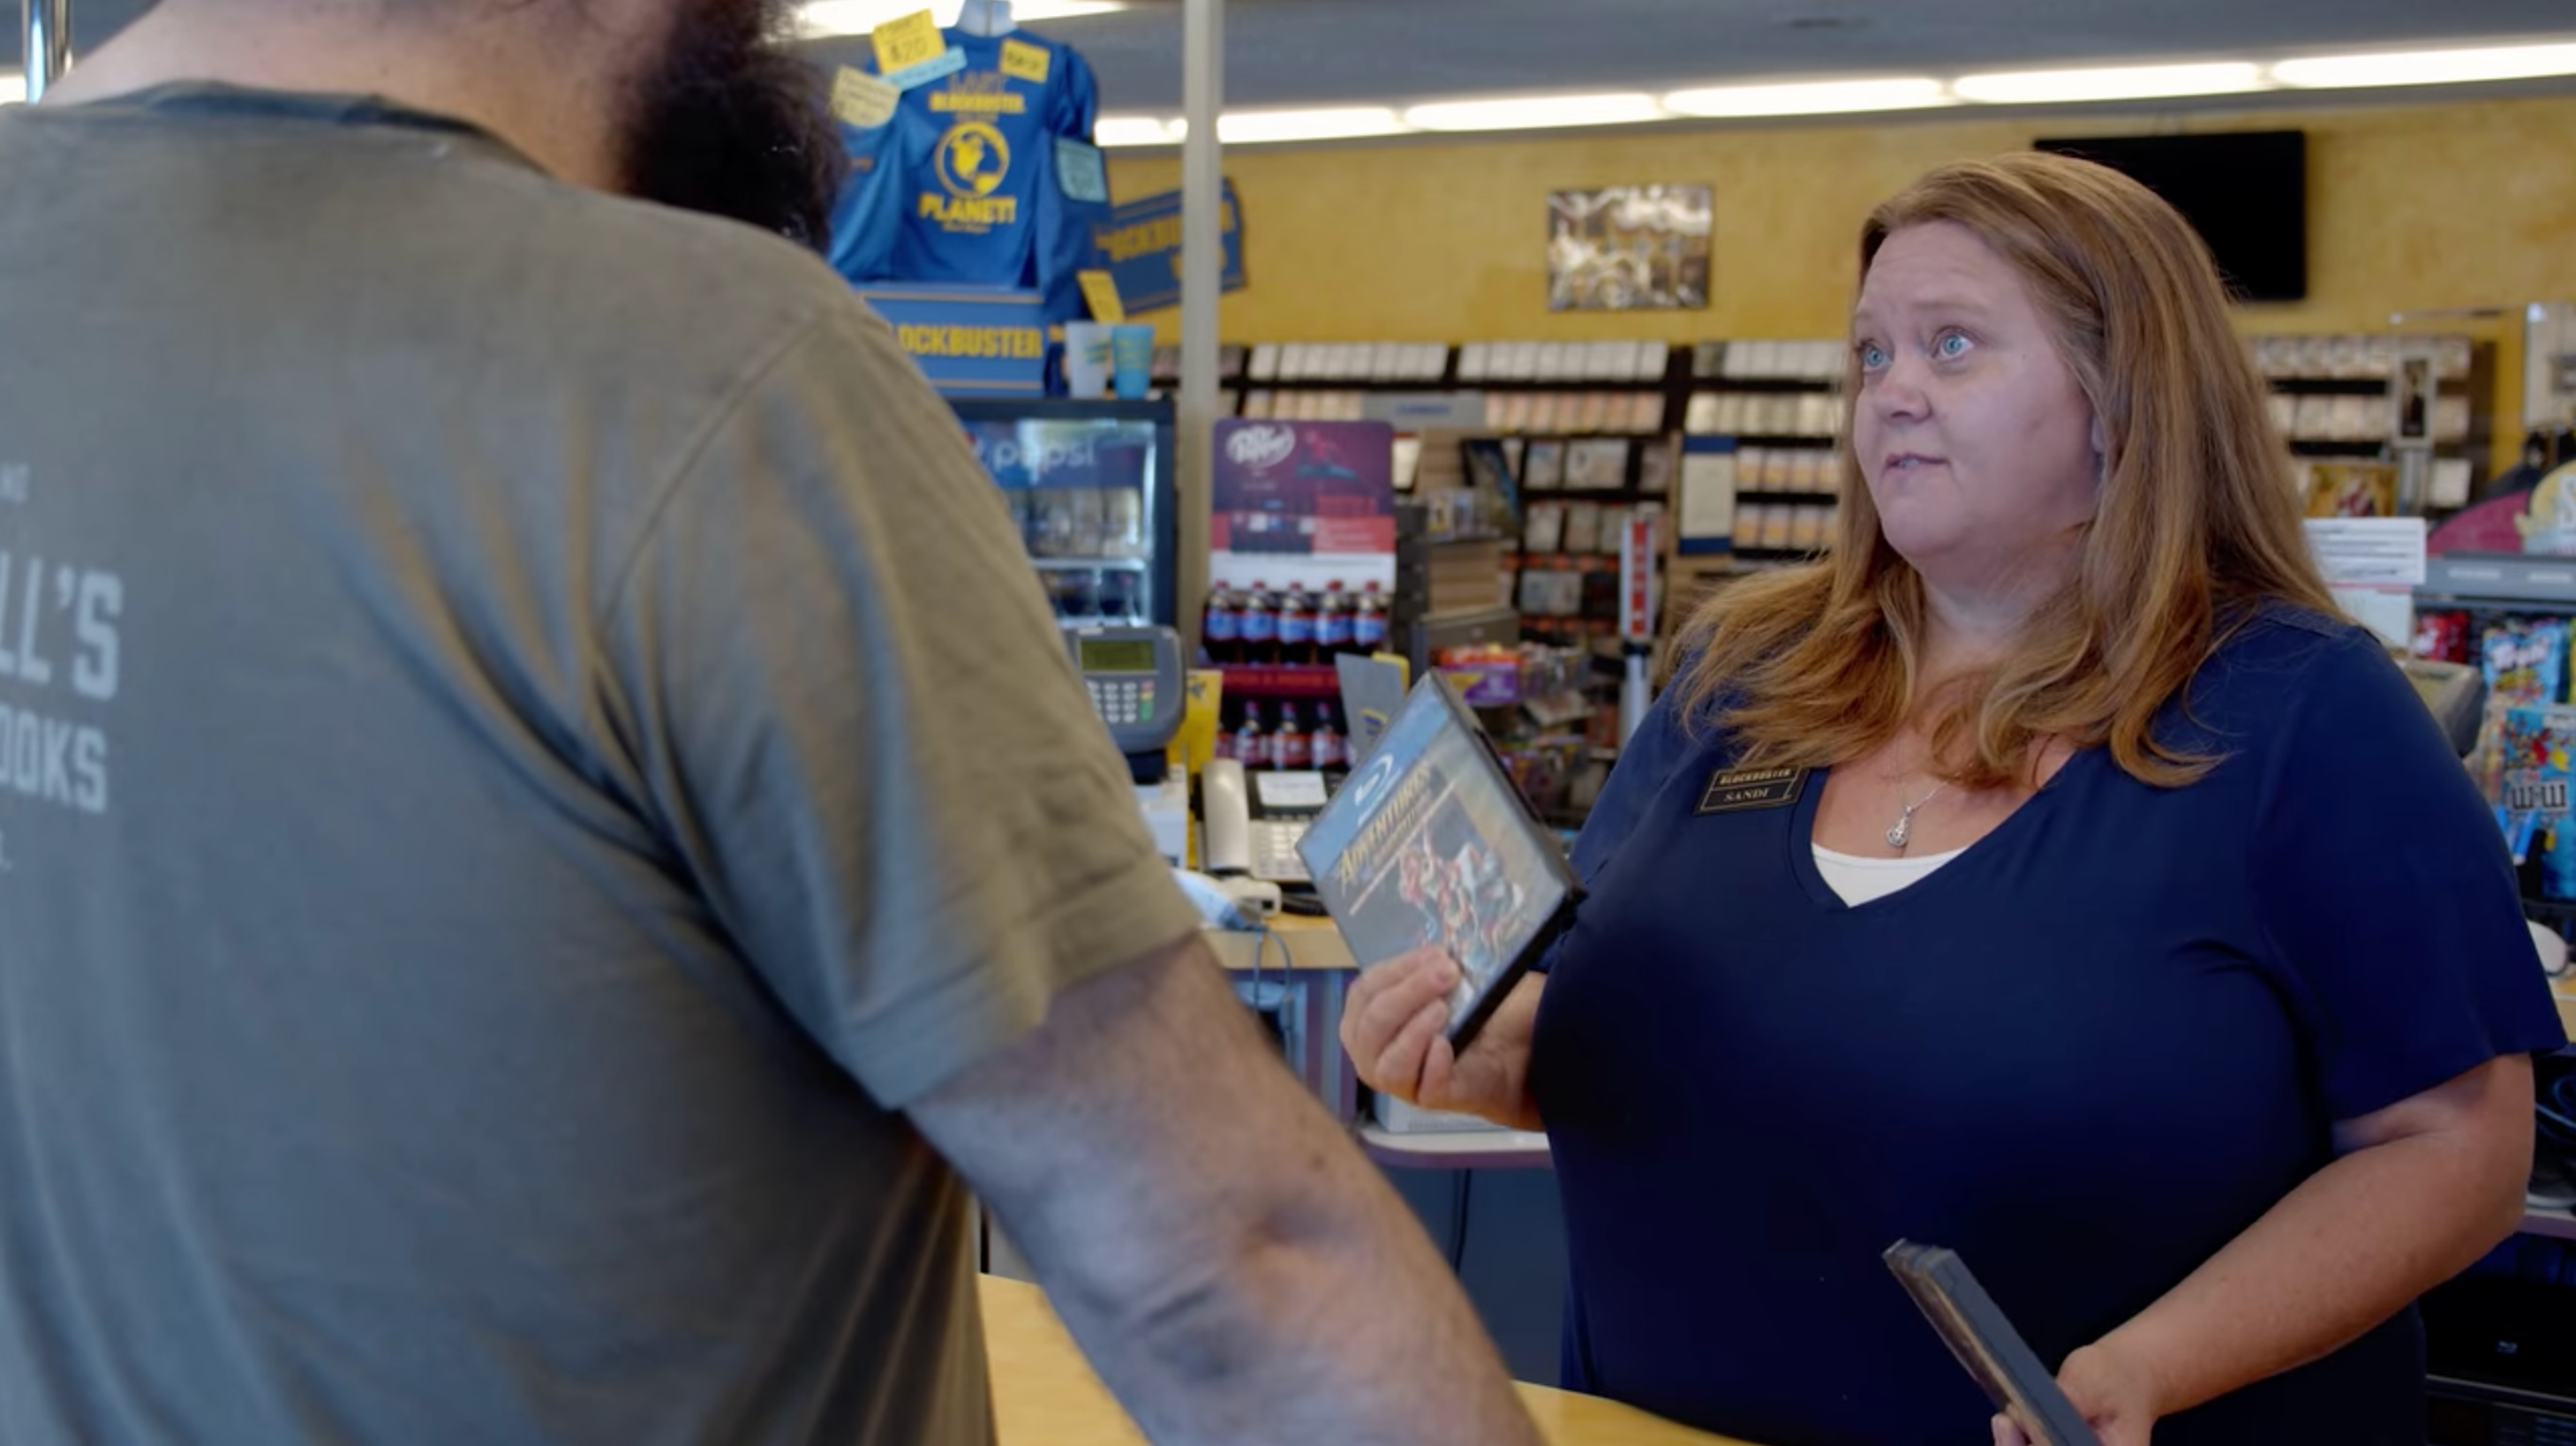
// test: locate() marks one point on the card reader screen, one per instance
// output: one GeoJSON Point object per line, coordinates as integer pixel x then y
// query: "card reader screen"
{"type": "Point", "coordinates": [1128, 656]}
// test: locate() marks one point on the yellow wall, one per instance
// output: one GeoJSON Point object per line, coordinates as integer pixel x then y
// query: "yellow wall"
{"type": "Point", "coordinates": [2409, 207]}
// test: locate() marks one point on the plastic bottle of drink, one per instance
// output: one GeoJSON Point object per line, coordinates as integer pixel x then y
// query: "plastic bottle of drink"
{"type": "Point", "coordinates": [1290, 745]}
{"type": "Point", "coordinates": [1333, 620]}
{"type": "Point", "coordinates": [1223, 747]}
{"type": "Point", "coordinates": [1118, 595]}
{"type": "Point", "coordinates": [1328, 748]}
{"type": "Point", "coordinates": [1080, 599]}
{"type": "Point", "coordinates": [1222, 627]}
{"type": "Point", "coordinates": [1368, 624]}
{"type": "Point", "coordinates": [1251, 738]}
{"type": "Point", "coordinates": [1296, 626]}
{"type": "Point", "coordinates": [1259, 629]}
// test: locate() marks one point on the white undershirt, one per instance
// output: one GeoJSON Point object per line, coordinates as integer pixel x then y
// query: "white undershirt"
{"type": "Point", "coordinates": [1858, 881]}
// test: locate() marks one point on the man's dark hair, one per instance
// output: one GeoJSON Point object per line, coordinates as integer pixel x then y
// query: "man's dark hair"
{"type": "Point", "coordinates": [733, 123]}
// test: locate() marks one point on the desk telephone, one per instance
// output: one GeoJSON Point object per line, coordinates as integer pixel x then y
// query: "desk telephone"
{"type": "Point", "coordinates": [1255, 819]}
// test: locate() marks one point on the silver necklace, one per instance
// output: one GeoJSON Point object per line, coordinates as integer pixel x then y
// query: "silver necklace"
{"type": "Point", "coordinates": [1901, 832]}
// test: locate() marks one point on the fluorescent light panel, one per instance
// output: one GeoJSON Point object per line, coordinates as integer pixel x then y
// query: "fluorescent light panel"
{"type": "Point", "coordinates": [1136, 130]}
{"type": "Point", "coordinates": [1341, 123]}
{"type": "Point", "coordinates": [819, 18]}
{"type": "Point", "coordinates": [1827, 97]}
{"type": "Point", "coordinates": [1549, 112]}
{"type": "Point", "coordinates": [2428, 67]}
{"type": "Point", "coordinates": [1537, 112]}
{"type": "Point", "coordinates": [2127, 82]}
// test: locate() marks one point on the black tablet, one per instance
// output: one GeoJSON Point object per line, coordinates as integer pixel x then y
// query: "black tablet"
{"type": "Point", "coordinates": [1986, 1343]}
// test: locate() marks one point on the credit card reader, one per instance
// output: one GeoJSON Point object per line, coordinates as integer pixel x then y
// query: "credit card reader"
{"type": "Point", "coordinates": [1135, 678]}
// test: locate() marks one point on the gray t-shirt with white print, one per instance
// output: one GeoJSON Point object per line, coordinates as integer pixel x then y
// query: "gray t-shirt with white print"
{"type": "Point", "coordinates": [525, 739]}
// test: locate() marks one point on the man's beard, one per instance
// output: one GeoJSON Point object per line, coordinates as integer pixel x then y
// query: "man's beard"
{"type": "Point", "coordinates": [733, 125]}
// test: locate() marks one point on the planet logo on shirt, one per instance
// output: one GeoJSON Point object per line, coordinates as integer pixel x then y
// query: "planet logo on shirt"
{"type": "Point", "coordinates": [974, 160]}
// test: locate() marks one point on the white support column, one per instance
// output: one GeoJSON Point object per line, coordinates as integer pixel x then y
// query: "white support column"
{"type": "Point", "coordinates": [1202, 283]}
{"type": "Point", "coordinates": [48, 35]}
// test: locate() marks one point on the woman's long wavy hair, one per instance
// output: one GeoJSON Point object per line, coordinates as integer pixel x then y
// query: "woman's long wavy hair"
{"type": "Point", "coordinates": [2196, 519]}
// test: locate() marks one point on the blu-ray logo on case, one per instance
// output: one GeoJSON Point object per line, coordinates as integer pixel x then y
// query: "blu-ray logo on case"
{"type": "Point", "coordinates": [1372, 781]}
{"type": "Point", "coordinates": [1260, 448]}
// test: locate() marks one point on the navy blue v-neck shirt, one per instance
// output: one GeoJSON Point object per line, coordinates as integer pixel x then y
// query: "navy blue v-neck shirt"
{"type": "Point", "coordinates": [2087, 1053]}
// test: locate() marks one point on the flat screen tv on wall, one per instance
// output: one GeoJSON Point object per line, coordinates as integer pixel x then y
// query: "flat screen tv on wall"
{"type": "Point", "coordinates": [2246, 192]}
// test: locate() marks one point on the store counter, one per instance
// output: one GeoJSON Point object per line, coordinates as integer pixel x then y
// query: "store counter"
{"type": "Point", "coordinates": [1296, 942]}
{"type": "Point", "coordinates": [1307, 960]}
{"type": "Point", "coordinates": [1044, 1392]}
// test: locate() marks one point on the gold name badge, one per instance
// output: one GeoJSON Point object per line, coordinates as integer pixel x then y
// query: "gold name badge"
{"type": "Point", "coordinates": [1734, 790]}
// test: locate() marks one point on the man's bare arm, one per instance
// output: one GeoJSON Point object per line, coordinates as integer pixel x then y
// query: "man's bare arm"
{"type": "Point", "coordinates": [1233, 1266]}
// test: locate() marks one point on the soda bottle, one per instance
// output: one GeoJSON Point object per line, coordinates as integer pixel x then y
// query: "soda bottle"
{"type": "Point", "coordinates": [1296, 626]}
{"type": "Point", "coordinates": [1327, 743]}
{"type": "Point", "coordinates": [1368, 624]}
{"type": "Point", "coordinates": [1290, 747]}
{"type": "Point", "coordinates": [1259, 629]}
{"type": "Point", "coordinates": [1080, 599]}
{"type": "Point", "coordinates": [1117, 595]}
{"type": "Point", "coordinates": [1222, 627]}
{"type": "Point", "coordinates": [1332, 624]}
{"type": "Point", "coordinates": [1223, 747]}
{"type": "Point", "coordinates": [1251, 739]}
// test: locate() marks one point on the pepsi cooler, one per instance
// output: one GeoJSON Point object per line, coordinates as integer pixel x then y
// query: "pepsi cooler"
{"type": "Point", "coordinates": [1091, 485]}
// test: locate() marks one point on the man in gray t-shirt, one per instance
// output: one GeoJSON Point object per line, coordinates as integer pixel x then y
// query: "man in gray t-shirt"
{"type": "Point", "coordinates": [541, 812]}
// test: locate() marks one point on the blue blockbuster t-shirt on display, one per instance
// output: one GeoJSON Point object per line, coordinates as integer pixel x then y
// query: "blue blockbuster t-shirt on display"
{"type": "Point", "coordinates": [982, 201]}
{"type": "Point", "coordinates": [868, 214]}
{"type": "Point", "coordinates": [2086, 1053]}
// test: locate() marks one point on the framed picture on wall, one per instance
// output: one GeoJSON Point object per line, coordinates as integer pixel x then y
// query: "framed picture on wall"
{"type": "Point", "coordinates": [1628, 248]}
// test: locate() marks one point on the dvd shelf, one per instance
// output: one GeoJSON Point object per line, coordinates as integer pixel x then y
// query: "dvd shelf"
{"type": "Point", "coordinates": [1317, 381]}
{"type": "Point", "coordinates": [1779, 406]}
{"type": "Point", "coordinates": [2346, 397]}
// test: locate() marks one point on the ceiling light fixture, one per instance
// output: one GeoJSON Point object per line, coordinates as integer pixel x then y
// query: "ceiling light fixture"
{"type": "Point", "coordinates": [1827, 97]}
{"type": "Point", "coordinates": [1136, 130]}
{"type": "Point", "coordinates": [2428, 67]}
{"type": "Point", "coordinates": [1536, 113]}
{"type": "Point", "coordinates": [818, 19]}
{"type": "Point", "coordinates": [1271, 127]}
{"type": "Point", "coordinates": [2128, 82]}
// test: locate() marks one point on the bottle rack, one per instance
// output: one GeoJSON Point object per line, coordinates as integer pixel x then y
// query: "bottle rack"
{"type": "Point", "coordinates": [1280, 680]}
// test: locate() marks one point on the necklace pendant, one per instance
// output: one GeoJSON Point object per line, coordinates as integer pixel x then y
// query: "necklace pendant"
{"type": "Point", "coordinates": [1900, 831]}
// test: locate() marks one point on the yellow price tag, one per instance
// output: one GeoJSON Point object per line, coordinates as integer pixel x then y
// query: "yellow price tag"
{"type": "Point", "coordinates": [903, 44]}
{"type": "Point", "coordinates": [1205, 689]}
{"type": "Point", "coordinates": [1023, 61]}
{"type": "Point", "coordinates": [1101, 290]}
{"type": "Point", "coordinates": [862, 99]}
